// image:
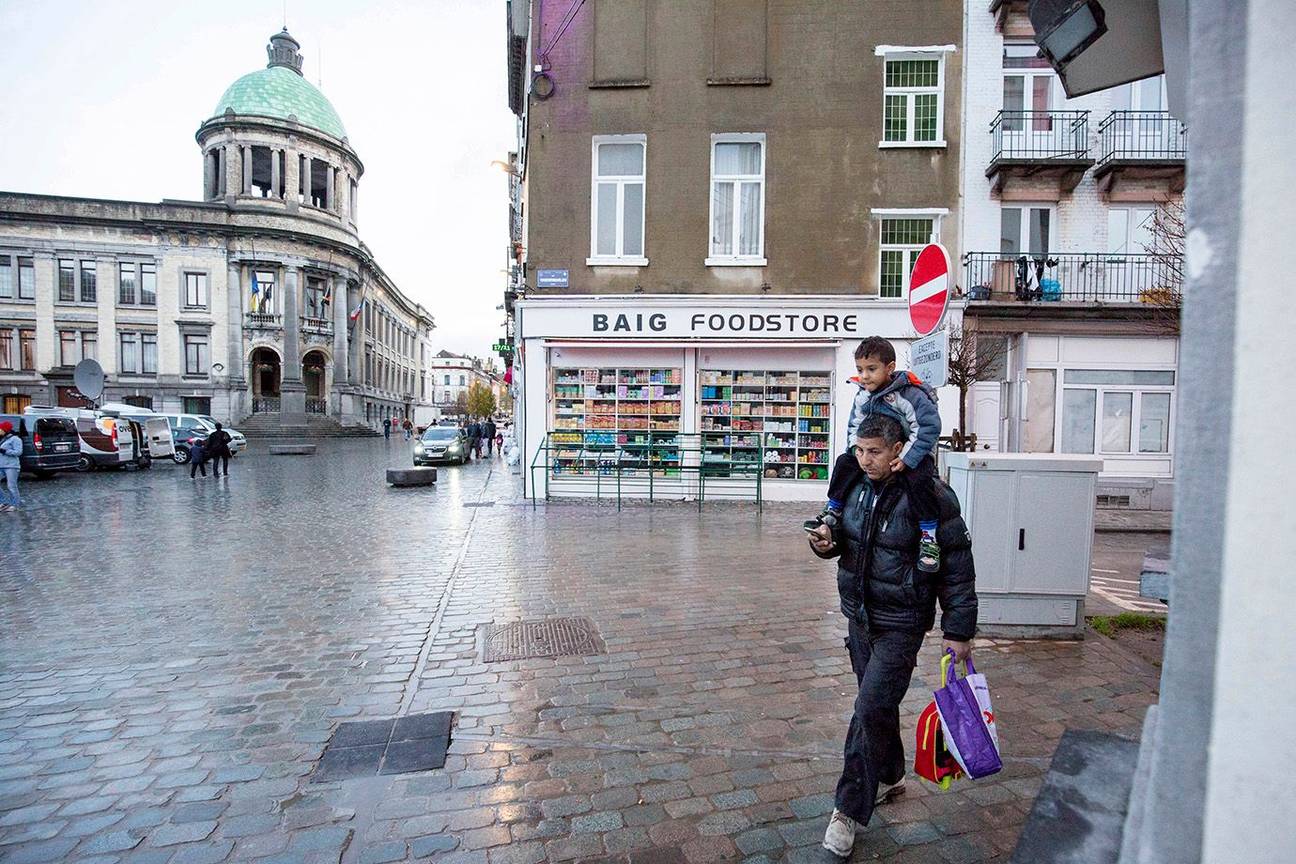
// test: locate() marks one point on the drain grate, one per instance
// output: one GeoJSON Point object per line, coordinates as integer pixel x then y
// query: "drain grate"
{"type": "Point", "coordinates": [551, 637]}
{"type": "Point", "coordinates": [393, 746]}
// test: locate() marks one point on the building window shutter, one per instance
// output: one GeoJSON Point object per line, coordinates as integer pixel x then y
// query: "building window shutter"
{"type": "Point", "coordinates": [620, 41]}
{"type": "Point", "coordinates": [738, 42]}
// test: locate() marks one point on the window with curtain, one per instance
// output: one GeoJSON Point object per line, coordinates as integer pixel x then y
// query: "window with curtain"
{"type": "Point", "coordinates": [1114, 411]}
{"type": "Point", "coordinates": [148, 353]}
{"type": "Point", "coordinates": [26, 279]}
{"type": "Point", "coordinates": [7, 349]}
{"type": "Point", "coordinates": [617, 200]}
{"type": "Point", "coordinates": [89, 282]}
{"type": "Point", "coordinates": [67, 281]}
{"type": "Point", "coordinates": [737, 199]}
{"type": "Point", "coordinates": [901, 241]}
{"type": "Point", "coordinates": [6, 277]}
{"type": "Point", "coordinates": [69, 349]}
{"type": "Point", "coordinates": [129, 360]}
{"type": "Point", "coordinates": [89, 345]}
{"type": "Point", "coordinates": [195, 345]}
{"type": "Point", "coordinates": [27, 348]}
{"type": "Point", "coordinates": [126, 283]}
{"type": "Point", "coordinates": [148, 283]}
{"type": "Point", "coordinates": [313, 297]}
{"type": "Point", "coordinates": [912, 97]}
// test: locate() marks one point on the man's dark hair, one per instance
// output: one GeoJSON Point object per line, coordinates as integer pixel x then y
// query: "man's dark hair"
{"type": "Point", "coordinates": [876, 346]}
{"type": "Point", "coordinates": [881, 426]}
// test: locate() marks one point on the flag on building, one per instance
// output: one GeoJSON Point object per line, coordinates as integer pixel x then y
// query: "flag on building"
{"type": "Point", "coordinates": [255, 289]}
{"type": "Point", "coordinates": [355, 313]}
{"type": "Point", "coordinates": [328, 293]}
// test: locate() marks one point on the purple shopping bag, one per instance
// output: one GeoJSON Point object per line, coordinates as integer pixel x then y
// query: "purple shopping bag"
{"type": "Point", "coordinates": [965, 722]}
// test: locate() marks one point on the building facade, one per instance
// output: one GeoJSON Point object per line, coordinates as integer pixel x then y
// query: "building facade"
{"type": "Point", "coordinates": [721, 198]}
{"type": "Point", "coordinates": [1072, 232]}
{"type": "Point", "coordinates": [258, 299]}
{"type": "Point", "coordinates": [451, 376]}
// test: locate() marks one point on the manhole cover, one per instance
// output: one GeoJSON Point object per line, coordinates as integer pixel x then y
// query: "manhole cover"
{"type": "Point", "coordinates": [552, 637]}
{"type": "Point", "coordinates": [479, 503]}
{"type": "Point", "coordinates": [393, 746]}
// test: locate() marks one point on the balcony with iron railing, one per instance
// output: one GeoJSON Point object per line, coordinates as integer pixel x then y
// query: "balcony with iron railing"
{"type": "Point", "coordinates": [1070, 277]}
{"type": "Point", "coordinates": [1040, 145]}
{"type": "Point", "coordinates": [1142, 145]}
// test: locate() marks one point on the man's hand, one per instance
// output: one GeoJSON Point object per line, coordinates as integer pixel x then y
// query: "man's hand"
{"type": "Point", "coordinates": [897, 465]}
{"type": "Point", "coordinates": [821, 539]}
{"type": "Point", "coordinates": [962, 650]}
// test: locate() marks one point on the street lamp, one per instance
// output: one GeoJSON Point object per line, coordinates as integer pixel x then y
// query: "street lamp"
{"type": "Point", "coordinates": [1065, 28]}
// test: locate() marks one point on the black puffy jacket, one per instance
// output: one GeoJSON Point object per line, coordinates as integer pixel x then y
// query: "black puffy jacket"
{"type": "Point", "coordinates": [878, 577]}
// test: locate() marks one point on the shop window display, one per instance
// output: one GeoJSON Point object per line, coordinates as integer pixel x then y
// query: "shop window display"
{"type": "Point", "coordinates": [607, 417]}
{"type": "Point", "coordinates": [778, 419]}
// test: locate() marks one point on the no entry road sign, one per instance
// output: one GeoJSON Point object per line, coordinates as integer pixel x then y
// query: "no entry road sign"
{"type": "Point", "coordinates": [929, 287]}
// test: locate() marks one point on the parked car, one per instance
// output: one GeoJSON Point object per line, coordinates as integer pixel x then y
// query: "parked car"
{"type": "Point", "coordinates": [106, 441]}
{"type": "Point", "coordinates": [50, 443]}
{"type": "Point", "coordinates": [441, 444]}
{"type": "Point", "coordinates": [207, 424]}
{"type": "Point", "coordinates": [183, 438]}
{"type": "Point", "coordinates": [152, 431]}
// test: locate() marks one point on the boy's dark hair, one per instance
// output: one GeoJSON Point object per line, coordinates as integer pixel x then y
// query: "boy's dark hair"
{"type": "Point", "coordinates": [876, 346]}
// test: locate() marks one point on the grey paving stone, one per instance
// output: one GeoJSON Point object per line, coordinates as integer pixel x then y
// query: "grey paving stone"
{"type": "Point", "coordinates": [592, 823]}
{"type": "Point", "coordinates": [199, 811]}
{"type": "Point", "coordinates": [203, 853]}
{"type": "Point", "coordinates": [812, 805]}
{"type": "Point", "coordinates": [189, 832]}
{"type": "Point", "coordinates": [913, 833]}
{"type": "Point", "coordinates": [383, 853]}
{"type": "Point", "coordinates": [54, 850]}
{"type": "Point", "coordinates": [421, 847]}
{"type": "Point", "coordinates": [759, 840]}
{"type": "Point", "coordinates": [321, 839]}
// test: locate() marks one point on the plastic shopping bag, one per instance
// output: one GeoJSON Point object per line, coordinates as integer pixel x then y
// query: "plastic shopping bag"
{"type": "Point", "coordinates": [932, 759]}
{"type": "Point", "coordinates": [967, 719]}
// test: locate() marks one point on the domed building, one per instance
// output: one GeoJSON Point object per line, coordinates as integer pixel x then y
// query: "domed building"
{"type": "Point", "coordinates": [259, 303]}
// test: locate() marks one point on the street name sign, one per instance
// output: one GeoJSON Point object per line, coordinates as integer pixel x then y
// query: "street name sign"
{"type": "Point", "coordinates": [929, 358]}
{"type": "Point", "coordinates": [551, 279]}
{"type": "Point", "coordinates": [929, 288]}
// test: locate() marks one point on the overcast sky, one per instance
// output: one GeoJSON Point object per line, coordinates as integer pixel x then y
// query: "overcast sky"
{"type": "Point", "coordinates": [101, 99]}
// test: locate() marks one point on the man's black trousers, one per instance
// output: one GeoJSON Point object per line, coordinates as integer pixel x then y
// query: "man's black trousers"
{"type": "Point", "coordinates": [883, 662]}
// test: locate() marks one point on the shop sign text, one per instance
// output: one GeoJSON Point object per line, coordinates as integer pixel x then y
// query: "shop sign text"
{"type": "Point", "coordinates": [729, 323]}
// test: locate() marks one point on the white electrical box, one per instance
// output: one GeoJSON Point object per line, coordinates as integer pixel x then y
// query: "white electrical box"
{"type": "Point", "coordinates": [1031, 516]}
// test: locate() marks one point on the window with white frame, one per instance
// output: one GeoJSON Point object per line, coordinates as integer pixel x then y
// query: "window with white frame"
{"type": "Point", "coordinates": [617, 200]}
{"type": "Point", "coordinates": [1025, 229]}
{"type": "Point", "coordinates": [196, 290]}
{"type": "Point", "coordinates": [1116, 411]}
{"type": "Point", "coordinates": [737, 199]}
{"type": "Point", "coordinates": [901, 239]}
{"type": "Point", "coordinates": [913, 99]}
{"type": "Point", "coordinates": [196, 358]}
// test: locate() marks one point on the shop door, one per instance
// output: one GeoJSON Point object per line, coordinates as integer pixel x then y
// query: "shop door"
{"type": "Point", "coordinates": [14, 403]}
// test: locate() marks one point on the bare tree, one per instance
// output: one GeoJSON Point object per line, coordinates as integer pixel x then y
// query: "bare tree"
{"type": "Point", "coordinates": [1165, 296]}
{"type": "Point", "coordinates": [971, 359]}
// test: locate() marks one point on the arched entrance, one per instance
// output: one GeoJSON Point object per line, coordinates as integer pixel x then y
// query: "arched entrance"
{"type": "Point", "coordinates": [313, 376]}
{"type": "Point", "coordinates": [266, 375]}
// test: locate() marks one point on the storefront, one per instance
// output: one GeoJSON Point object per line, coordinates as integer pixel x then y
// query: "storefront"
{"type": "Point", "coordinates": [670, 392]}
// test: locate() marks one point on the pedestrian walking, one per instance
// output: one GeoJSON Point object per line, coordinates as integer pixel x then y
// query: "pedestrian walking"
{"type": "Point", "coordinates": [387, 428]}
{"type": "Point", "coordinates": [889, 606]}
{"type": "Point", "coordinates": [11, 447]}
{"type": "Point", "coordinates": [488, 433]}
{"type": "Point", "coordinates": [217, 450]}
{"type": "Point", "coordinates": [408, 427]}
{"type": "Point", "coordinates": [474, 437]}
{"type": "Point", "coordinates": [197, 458]}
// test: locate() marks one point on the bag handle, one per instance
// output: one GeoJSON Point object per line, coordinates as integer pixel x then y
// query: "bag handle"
{"type": "Point", "coordinates": [949, 667]}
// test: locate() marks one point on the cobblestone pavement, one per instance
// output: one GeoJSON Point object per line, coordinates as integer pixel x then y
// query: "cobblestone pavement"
{"type": "Point", "coordinates": [174, 655]}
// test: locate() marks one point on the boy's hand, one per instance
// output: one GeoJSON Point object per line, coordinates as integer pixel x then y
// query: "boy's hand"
{"type": "Point", "coordinates": [897, 465]}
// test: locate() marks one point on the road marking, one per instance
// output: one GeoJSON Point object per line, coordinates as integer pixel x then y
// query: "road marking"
{"type": "Point", "coordinates": [1100, 570]}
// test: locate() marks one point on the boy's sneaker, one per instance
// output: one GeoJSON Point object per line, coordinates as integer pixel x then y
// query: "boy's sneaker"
{"type": "Point", "coordinates": [829, 517]}
{"type": "Point", "coordinates": [928, 549]}
{"type": "Point", "coordinates": [839, 839]}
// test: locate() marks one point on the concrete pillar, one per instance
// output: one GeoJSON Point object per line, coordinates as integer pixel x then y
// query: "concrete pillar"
{"type": "Point", "coordinates": [246, 158]}
{"type": "Point", "coordinates": [106, 285]}
{"type": "Point", "coordinates": [357, 336]}
{"type": "Point", "coordinates": [209, 176]}
{"type": "Point", "coordinates": [306, 179]}
{"type": "Point", "coordinates": [292, 179]}
{"type": "Point", "coordinates": [340, 312]}
{"type": "Point", "coordinates": [329, 171]}
{"type": "Point", "coordinates": [355, 200]}
{"type": "Point", "coordinates": [274, 174]}
{"type": "Point", "coordinates": [340, 191]}
{"type": "Point", "coordinates": [292, 401]}
{"type": "Point", "coordinates": [235, 368]}
{"type": "Point", "coordinates": [231, 160]}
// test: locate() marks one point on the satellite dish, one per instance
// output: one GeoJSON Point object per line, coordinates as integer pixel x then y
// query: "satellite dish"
{"type": "Point", "coordinates": [89, 378]}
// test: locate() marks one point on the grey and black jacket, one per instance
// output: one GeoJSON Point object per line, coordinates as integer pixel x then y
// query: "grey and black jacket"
{"type": "Point", "coordinates": [908, 401]}
{"type": "Point", "coordinates": [878, 578]}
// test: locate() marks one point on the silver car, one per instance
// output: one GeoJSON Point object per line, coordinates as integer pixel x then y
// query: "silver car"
{"type": "Point", "coordinates": [206, 421]}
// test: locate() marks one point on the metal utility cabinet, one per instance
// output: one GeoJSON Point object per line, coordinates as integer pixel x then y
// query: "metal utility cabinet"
{"type": "Point", "coordinates": [1031, 517]}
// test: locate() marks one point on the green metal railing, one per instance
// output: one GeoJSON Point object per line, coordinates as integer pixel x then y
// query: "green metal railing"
{"type": "Point", "coordinates": [635, 460]}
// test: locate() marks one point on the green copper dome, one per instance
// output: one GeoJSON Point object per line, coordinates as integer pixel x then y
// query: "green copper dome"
{"type": "Point", "coordinates": [280, 92]}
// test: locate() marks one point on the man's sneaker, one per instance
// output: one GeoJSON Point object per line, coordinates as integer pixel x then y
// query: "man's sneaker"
{"type": "Point", "coordinates": [889, 792]}
{"type": "Point", "coordinates": [829, 517]}
{"type": "Point", "coordinates": [839, 839]}
{"type": "Point", "coordinates": [928, 556]}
